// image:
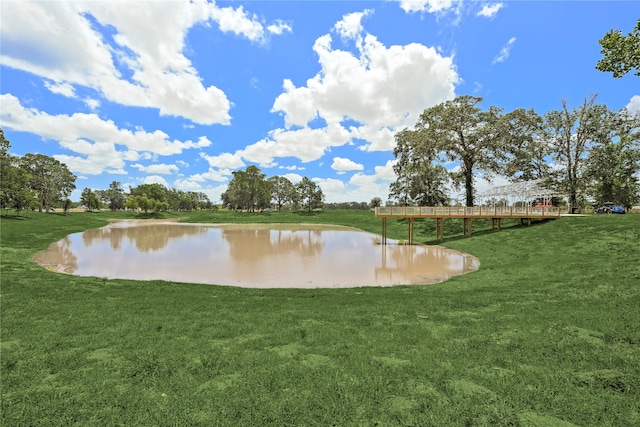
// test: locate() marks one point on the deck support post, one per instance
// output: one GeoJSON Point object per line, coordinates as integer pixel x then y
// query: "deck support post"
{"type": "Point", "coordinates": [466, 226]}
{"type": "Point", "coordinates": [384, 230]}
{"type": "Point", "coordinates": [411, 231]}
{"type": "Point", "coordinates": [439, 213]}
{"type": "Point", "coordinates": [440, 229]}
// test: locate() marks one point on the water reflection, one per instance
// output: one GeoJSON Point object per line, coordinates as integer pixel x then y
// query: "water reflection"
{"type": "Point", "coordinates": [264, 256]}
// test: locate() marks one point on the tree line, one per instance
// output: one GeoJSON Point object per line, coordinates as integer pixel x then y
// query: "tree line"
{"type": "Point", "coordinates": [146, 197]}
{"type": "Point", "coordinates": [252, 191]}
{"type": "Point", "coordinates": [33, 181]}
{"type": "Point", "coordinates": [37, 181]}
{"type": "Point", "coordinates": [588, 152]}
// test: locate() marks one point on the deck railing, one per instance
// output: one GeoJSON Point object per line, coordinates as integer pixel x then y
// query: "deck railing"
{"type": "Point", "coordinates": [470, 211]}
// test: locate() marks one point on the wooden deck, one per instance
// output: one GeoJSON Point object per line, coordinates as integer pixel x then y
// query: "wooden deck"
{"type": "Point", "coordinates": [468, 213]}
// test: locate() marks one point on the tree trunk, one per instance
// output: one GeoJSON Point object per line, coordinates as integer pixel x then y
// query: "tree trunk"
{"type": "Point", "coordinates": [468, 183]}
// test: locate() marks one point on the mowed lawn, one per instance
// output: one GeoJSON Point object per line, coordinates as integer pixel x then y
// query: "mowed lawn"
{"type": "Point", "coordinates": [545, 333]}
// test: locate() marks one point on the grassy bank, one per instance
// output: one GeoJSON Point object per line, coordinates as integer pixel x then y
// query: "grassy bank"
{"type": "Point", "coordinates": [545, 333]}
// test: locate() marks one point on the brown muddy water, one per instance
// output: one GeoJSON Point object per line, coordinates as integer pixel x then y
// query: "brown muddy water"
{"type": "Point", "coordinates": [251, 255]}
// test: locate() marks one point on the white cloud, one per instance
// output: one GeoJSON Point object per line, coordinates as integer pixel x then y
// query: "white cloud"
{"type": "Point", "coordinates": [386, 172]}
{"type": "Point", "coordinates": [293, 177]}
{"type": "Point", "coordinates": [225, 160]}
{"type": "Point", "coordinates": [238, 22]}
{"type": "Point", "coordinates": [279, 27]}
{"type": "Point", "coordinates": [379, 88]}
{"type": "Point", "coordinates": [213, 174]}
{"type": "Point", "coordinates": [160, 169]}
{"type": "Point", "coordinates": [633, 106]}
{"type": "Point", "coordinates": [293, 168]}
{"type": "Point", "coordinates": [67, 49]}
{"type": "Point", "coordinates": [64, 89]}
{"type": "Point", "coordinates": [187, 185]}
{"type": "Point", "coordinates": [381, 138]}
{"type": "Point", "coordinates": [201, 182]}
{"type": "Point", "coordinates": [214, 193]}
{"type": "Point", "coordinates": [343, 165]}
{"type": "Point", "coordinates": [102, 145]}
{"type": "Point", "coordinates": [93, 104]}
{"type": "Point", "coordinates": [361, 187]}
{"type": "Point", "coordinates": [155, 179]}
{"type": "Point", "coordinates": [306, 144]}
{"type": "Point", "coordinates": [95, 164]}
{"type": "Point", "coordinates": [490, 10]}
{"type": "Point", "coordinates": [505, 51]}
{"type": "Point", "coordinates": [350, 26]}
{"type": "Point", "coordinates": [430, 6]}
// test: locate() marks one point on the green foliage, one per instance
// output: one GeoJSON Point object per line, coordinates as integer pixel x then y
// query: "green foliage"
{"type": "Point", "coordinates": [15, 191]}
{"type": "Point", "coordinates": [585, 143]}
{"type": "Point", "coordinates": [419, 180]}
{"type": "Point", "coordinates": [89, 199]}
{"type": "Point", "coordinates": [525, 151]}
{"type": "Point", "coordinates": [248, 190]}
{"type": "Point", "coordinates": [114, 197]}
{"type": "Point", "coordinates": [5, 145]}
{"type": "Point", "coordinates": [283, 191]}
{"type": "Point", "coordinates": [32, 181]}
{"type": "Point", "coordinates": [621, 53]}
{"type": "Point", "coordinates": [310, 194]}
{"type": "Point", "coordinates": [51, 180]}
{"type": "Point", "coordinates": [151, 191]}
{"type": "Point", "coordinates": [612, 165]}
{"type": "Point", "coordinates": [460, 131]}
{"type": "Point", "coordinates": [545, 333]}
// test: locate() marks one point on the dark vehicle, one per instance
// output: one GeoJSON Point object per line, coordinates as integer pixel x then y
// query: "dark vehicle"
{"type": "Point", "coordinates": [608, 208]}
{"type": "Point", "coordinates": [617, 210]}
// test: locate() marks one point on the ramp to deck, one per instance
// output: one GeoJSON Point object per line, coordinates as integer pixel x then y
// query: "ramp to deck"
{"type": "Point", "coordinates": [467, 213]}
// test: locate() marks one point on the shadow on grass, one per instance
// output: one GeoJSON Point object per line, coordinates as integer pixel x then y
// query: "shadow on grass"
{"type": "Point", "coordinates": [15, 217]}
{"type": "Point", "coordinates": [154, 215]}
{"type": "Point", "coordinates": [483, 232]}
{"type": "Point", "coordinates": [309, 213]}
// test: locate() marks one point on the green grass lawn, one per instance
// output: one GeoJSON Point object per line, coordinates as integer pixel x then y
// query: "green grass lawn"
{"type": "Point", "coordinates": [545, 333]}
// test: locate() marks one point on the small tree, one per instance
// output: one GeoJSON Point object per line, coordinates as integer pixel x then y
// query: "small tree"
{"type": "Point", "coordinates": [376, 202]}
{"type": "Point", "coordinates": [571, 134]}
{"type": "Point", "coordinates": [310, 194]}
{"type": "Point", "coordinates": [114, 197]}
{"type": "Point", "coordinates": [89, 199]}
{"type": "Point", "coordinates": [283, 191]}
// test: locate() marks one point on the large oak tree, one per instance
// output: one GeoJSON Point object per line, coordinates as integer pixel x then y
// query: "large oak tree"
{"type": "Point", "coordinates": [50, 179]}
{"type": "Point", "coordinates": [248, 190]}
{"type": "Point", "coordinates": [482, 142]}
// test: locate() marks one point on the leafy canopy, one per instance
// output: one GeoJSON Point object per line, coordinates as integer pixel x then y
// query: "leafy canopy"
{"type": "Point", "coordinates": [621, 53]}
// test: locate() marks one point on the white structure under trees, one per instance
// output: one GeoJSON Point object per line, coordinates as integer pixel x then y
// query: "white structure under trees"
{"type": "Point", "coordinates": [525, 191]}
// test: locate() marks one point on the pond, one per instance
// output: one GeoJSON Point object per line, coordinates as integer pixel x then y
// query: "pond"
{"type": "Point", "coordinates": [251, 255]}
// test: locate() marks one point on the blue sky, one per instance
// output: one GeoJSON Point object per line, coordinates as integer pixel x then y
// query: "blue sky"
{"type": "Point", "coordinates": [184, 93]}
